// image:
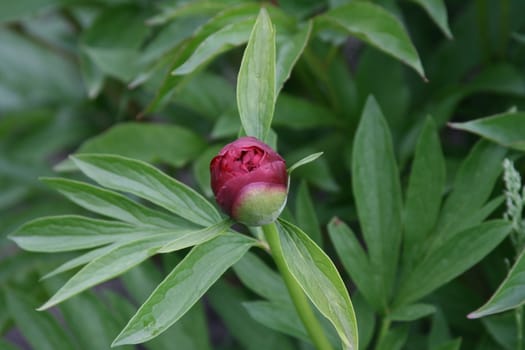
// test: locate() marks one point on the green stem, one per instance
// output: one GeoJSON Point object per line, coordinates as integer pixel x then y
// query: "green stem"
{"type": "Point", "coordinates": [385, 326]}
{"type": "Point", "coordinates": [311, 323]}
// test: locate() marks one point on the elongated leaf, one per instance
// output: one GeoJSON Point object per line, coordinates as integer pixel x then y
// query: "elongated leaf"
{"type": "Point", "coordinates": [82, 259]}
{"type": "Point", "coordinates": [172, 12]}
{"type": "Point", "coordinates": [308, 159]}
{"type": "Point", "coordinates": [113, 263]}
{"type": "Point", "coordinates": [298, 113]}
{"type": "Point", "coordinates": [228, 302]}
{"type": "Point", "coordinates": [306, 216]}
{"type": "Point", "coordinates": [437, 10]}
{"type": "Point", "coordinates": [191, 331]}
{"type": "Point", "coordinates": [171, 83]}
{"type": "Point", "coordinates": [65, 233]}
{"type": "Point", "coordinates": [279, 317]}
{"type": "Point", "coordinates": [91, 321]}
{"type": "Point", "coordinates": [256, 80]}
{"type": "Point", "coordinates": [472, 187]}
{"type": "Point", "coordinates": [143, 180]}
{"type": "Point", "coordinates": [289, 48]}
{"type": "Point", "coordinates": [451, 259]}
{"type": "Point", "coordinates": [412, 312]}
{"type": "Point", "coordinates": [192, 238]}
{"type": "Point", "coordinates": [355, 262]}
{"type": "Point", "coordinates": [144, 141]}
{"type": "Point", "coordinates": [229, 36]}
{"type": "Point", "coordinates": [394, 339]}
{"type": "Point", "coordinates": [509, 295]}
{"type": "Point", "coordinates": [507, 129]}
{"type": "Point", "coordinates": [321, 282]}
{"type": "Point", "coordinates": [377, 27]}
{"type": "Point", "coordinates": [112, 204]}
{"type": "Point", "coordinates": [377, 193]}
{"type": "Point", "coordinates": [258, 277]}
{"type": "Point", "coordinates": [40, 329]}
{"type": "Point", "coordinates": [183, 287]}
{"type": "Point", "coordinates": [425, 188]}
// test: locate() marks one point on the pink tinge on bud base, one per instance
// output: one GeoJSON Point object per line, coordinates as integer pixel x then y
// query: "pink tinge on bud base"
{"type": "Point", "coordinates": [249, 181]}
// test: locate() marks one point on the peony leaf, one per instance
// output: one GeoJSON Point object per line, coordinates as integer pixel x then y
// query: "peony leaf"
{"type": "Point", "coordinates": [70, 232]}
{"type": "Point", "coordinates": [305, 160]}
{"type": "Point", "coordinates": [113, 204]}
{"type": "Point", "coordinates": [183, 287]}
{"type": "Point", "coordinates": [509, 295]}
{"type": "Point", "coordinates": [377, 27]}
{"type": "Point", "coordinates": [507, 129]}
{"type": "Point", "coordinates": [319, 279]}
{"type": "Point", "coordinates": [450, 259]}
{"type": "Point", "coordinates": [146, 181]}
{"type": "Point", "coordinates": [256, 81]}
{"type": "Point", "coordinates": [377, 192]}
{"type": "Point", "coordinates": [437, 10]}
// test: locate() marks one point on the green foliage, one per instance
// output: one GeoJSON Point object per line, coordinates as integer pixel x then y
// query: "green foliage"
{"type": "Point", "coordinates": [130, 100]}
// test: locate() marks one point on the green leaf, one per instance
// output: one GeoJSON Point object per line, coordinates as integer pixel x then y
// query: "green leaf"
{"type": "Point", "coordinates": [256, 80]}
{"type": "Point", "coordinates": [157, 143]}
{"type": "Point", "coordinates": [113, 263]}
{"type": "Point", "coordinates": [377, 27]}
{"type": "Point", "coordinates": [394, 339]}
{"type": "Point", "coordinates": [472, 187]}
{"type": "Point", "coordinates": [279, 317]}
{"type": "Point", "coordinates": [507, 129]}
{"type": "Point", "coordinates": [305, 160]}
{"type": "Point", "coordinates": [183, 287]}
{"type": "Point", "coordinates": [192, 238]}
{"type": "Point", "coordinates": [41, 330]}
{"type": "Point", "coordinates": [113, 204]}
{"type": "Point", "coordinates": [451, 258]}
{"type": "Point", "coordinates": [298, 113]}
{"type": "Point", "coordinates": [229, 303]}
{"type": "Point", "coordinates": [172, 83]}
{"type": "Point", "coordinates": [509, 295]}
{"type": "Point", "coordinates": [319, 279]}
{"type": "Point", "coordinates": [306, 215]}
{"type": "Point", "coordinates": [171, 12]}
{"type": "Point", "coordinates": [454, 344]}
{"type": "Point", "coordinates": [91, 321]}
{"type": "Point", "coordinates": [10, 11]}
{"type": "Point", "coordinates": [190, 331]}
{"type": "Point", "coordinates": [83, 259]}
{"type": "Point", "coordinates": [145, 181]}
{"type": "Point", "coordinates": [224, 39]}
{"type": "Point", "coordinates": [355, 262]}
{"type": "Point", "coordinates": [290, 47]}
{"type": "Point", "coordinates": [412, 312]}
{"type": "Point", "coordinates": [4, 344]}
{"type": "Point", "coordinates": [425, 188]}
{"type": "Point", "coordinates": [437, 10]}
{"type": "Point", "coordinates": [258, 277]}
{"type": "Point", "coordinates": [65, 233]}
{"type": "Point", "coordinates": [113, 40]}
{"type": "Point", "coordinates": [377, 192]}
{"type": "Point", "coordinates": [201, 169]}
{"type": "Point", "coordinates": [366, 319]}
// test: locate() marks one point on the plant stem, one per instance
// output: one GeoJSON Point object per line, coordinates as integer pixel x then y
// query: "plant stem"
{"type": "Point", "coordinates": [311, 323]}
{"type": "Point", "coordinates": [385, 325]}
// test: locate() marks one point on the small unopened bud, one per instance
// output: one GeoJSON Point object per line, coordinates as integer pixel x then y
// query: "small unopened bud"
{"type": "Point", "coordinates": [249, 181]}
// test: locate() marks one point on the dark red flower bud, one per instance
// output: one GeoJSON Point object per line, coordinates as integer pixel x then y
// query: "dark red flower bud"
{"type": "Point", "coordinates": [249, 181]}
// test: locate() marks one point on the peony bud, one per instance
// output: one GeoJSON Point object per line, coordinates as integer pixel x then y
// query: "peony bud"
{"type": "Point", "coordinates": [249, 181]}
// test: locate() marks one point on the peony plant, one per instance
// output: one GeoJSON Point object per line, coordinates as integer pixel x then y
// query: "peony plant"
{"type": "Point", "coordinates": [250, 181]}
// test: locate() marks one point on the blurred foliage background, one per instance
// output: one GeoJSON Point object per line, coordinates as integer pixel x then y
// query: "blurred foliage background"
{"type": "Point", "coordinates": [95, 77]}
